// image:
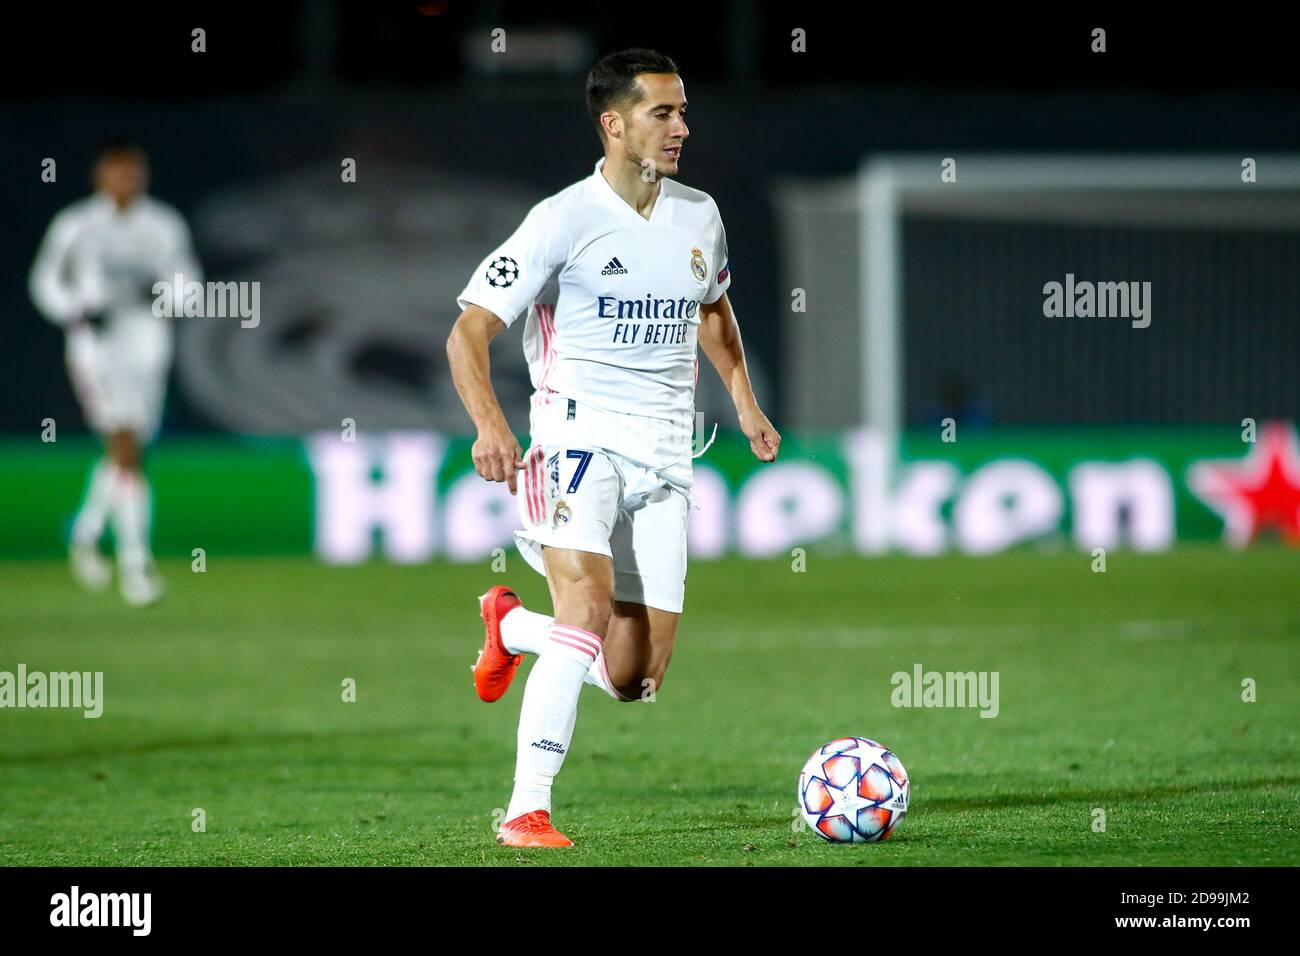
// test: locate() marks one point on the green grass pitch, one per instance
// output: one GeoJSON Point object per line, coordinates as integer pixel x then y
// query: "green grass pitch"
{"type": "Point", "coordinates": [1120, 691]}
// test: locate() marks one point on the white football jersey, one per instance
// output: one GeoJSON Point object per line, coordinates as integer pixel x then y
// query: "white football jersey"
{"type": "Point", "coordinates": [97, 258]}
{"type": "Point", "coordinates": [612, 298]}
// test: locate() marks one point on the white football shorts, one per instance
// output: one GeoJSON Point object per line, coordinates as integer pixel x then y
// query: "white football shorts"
{"type": "Point", "coordinates": [119, 374]}
{"type": "Point", "coordinates": [612, 484]}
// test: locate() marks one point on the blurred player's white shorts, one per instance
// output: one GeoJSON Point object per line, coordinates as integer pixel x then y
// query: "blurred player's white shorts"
{"type": "Point", "coordinates": [612, 484]}
{"type": "Point", "coordinates": [119, 374]}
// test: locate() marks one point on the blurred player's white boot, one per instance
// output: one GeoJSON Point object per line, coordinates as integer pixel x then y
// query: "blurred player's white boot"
{"type": "Point", "coordinates": [138, 580]}
{"type": "Point", "coordinates": [89, 566]}
{"type": "Point", "coordinates": [141, 587]}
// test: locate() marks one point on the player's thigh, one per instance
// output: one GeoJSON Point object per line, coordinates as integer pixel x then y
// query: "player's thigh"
{"type": "Point", "coordinates": [135, 358]}
{"type": "Point", "coordinates": [582, 586]}
{"type": "Point", "coordinates": [86, 364]}
{"type": "Point", "coordinates": [568, 504]}
{"type": "Point", "coordinates": [649, 551]}
{"type": "Point", "coordinates": [125, 448]}
{"type": "Point", "coordinates": [139, 348]}
{"type": "Point", "coordinates": [133, 401]}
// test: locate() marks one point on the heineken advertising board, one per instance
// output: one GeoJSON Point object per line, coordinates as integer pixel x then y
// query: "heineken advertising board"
{"type": "Point", "coordinates": [412, 496]}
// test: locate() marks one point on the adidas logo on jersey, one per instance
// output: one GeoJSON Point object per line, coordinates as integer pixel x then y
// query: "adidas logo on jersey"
{"type": "Point", "coordinates": [614, 268]}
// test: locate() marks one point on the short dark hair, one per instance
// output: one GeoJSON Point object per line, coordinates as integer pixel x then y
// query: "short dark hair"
{"type": "Point", "coordinates": [611, 84]}
{"type": "Point", "coordinates": [120, 146]}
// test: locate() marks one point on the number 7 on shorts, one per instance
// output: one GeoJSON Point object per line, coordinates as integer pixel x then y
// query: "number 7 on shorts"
{"type": "Point", "coordinates": [584, 460]}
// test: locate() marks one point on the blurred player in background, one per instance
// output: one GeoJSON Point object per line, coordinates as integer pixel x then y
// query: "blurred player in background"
{"type": "Point", "coordinates": [94, 277]}
{"type": "Point", "coordinates": [620, 276]}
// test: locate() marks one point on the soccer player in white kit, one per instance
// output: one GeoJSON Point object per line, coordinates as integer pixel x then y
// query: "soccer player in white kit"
{"type": "Point", "coordinates": [100, 259]}
{"type": "Point", "coordinates": [618, 277]}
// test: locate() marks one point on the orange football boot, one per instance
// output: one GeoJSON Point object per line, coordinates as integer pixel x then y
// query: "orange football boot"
{"type": "Point", "coordinates": [532, 830]}
{"type": "Point", "coordinates": [495, 667]}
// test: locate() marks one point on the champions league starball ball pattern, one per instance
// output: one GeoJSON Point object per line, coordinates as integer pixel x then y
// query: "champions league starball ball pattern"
{"type": "Point", "coordinates": [502, 272]}
{"type": "Point", "coordinates": [853, 790]}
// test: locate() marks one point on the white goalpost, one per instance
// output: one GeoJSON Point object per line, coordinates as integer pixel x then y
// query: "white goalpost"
{"type": "Point", "coordinates": [1175, 190]}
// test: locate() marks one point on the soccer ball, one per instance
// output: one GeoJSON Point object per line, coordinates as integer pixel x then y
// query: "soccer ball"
{"type": "Point", "coordinates": [853, 790]}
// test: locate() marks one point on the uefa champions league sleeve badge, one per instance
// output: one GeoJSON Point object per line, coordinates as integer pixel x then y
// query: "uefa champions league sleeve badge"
{"type": "Point", "coordinates": [502, 272]}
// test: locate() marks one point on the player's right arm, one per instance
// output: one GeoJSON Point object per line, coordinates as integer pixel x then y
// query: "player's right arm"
{"type": "Point", "coordinates": [496, 452]}
{"type": "Point", "coordinates": [50, 283]}
{"type": "Point", "coordinates": [505, 285]}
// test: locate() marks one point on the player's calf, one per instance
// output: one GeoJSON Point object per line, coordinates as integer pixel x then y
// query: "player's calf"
{"type": "Point", "coordinates": [638, 648]}
{"type": "Point", "coordinates": [640, 688]}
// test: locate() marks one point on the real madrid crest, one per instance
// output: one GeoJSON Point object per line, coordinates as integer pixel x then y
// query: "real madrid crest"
{"type": "Point", "coordinates": [697, 264]}
{"type": "Point", "coordinates": [561, 515]}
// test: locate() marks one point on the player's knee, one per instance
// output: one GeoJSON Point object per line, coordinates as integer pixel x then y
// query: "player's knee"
{"type": "Point", "coordinates": [643, 688]}
{"type": "Point", "coordinates": [589, 609]}
{"type": "Point", "coordinates": [125, 451]}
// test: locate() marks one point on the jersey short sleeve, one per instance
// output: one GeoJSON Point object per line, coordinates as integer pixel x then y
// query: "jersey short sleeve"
{"type": "Point", "coordinates": [53, 292]}
{"type": "Point", "coordinates": [508, 281]}
{"type": "Point", "coordinates": [178, 250]}
{"type": "Point", "coordinates": [720, 280]}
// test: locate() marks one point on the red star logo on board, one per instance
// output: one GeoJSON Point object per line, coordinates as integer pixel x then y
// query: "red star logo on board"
{"type": "Point", "coordinates": [1255, 493]}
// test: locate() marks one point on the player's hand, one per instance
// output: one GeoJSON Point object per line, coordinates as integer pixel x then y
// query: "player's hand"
{"type": "Point", "coordinates": [88, 321]}
{"type": "Point", "coordinates": [497, 455]}
{"type": "Point", "coordinates": [764, 440]}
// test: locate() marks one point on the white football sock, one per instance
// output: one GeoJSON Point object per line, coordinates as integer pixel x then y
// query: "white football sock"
{"type": "Point", "coordinates": [131, 505]}
{"type": "Point", "coordinates": [526, 632]}
{"type": "Point", "coordinates": [92, 516]}
{"type": "Point", "coordinates": [548, 714]}
{"type": "Point", "coordinates": [598, 676]}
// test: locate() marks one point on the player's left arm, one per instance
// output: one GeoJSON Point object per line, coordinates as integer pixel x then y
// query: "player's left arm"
{"type": "Point", "coordinates": [179, 257]}
{"type": "Point", "coordinates": [719, 337]}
